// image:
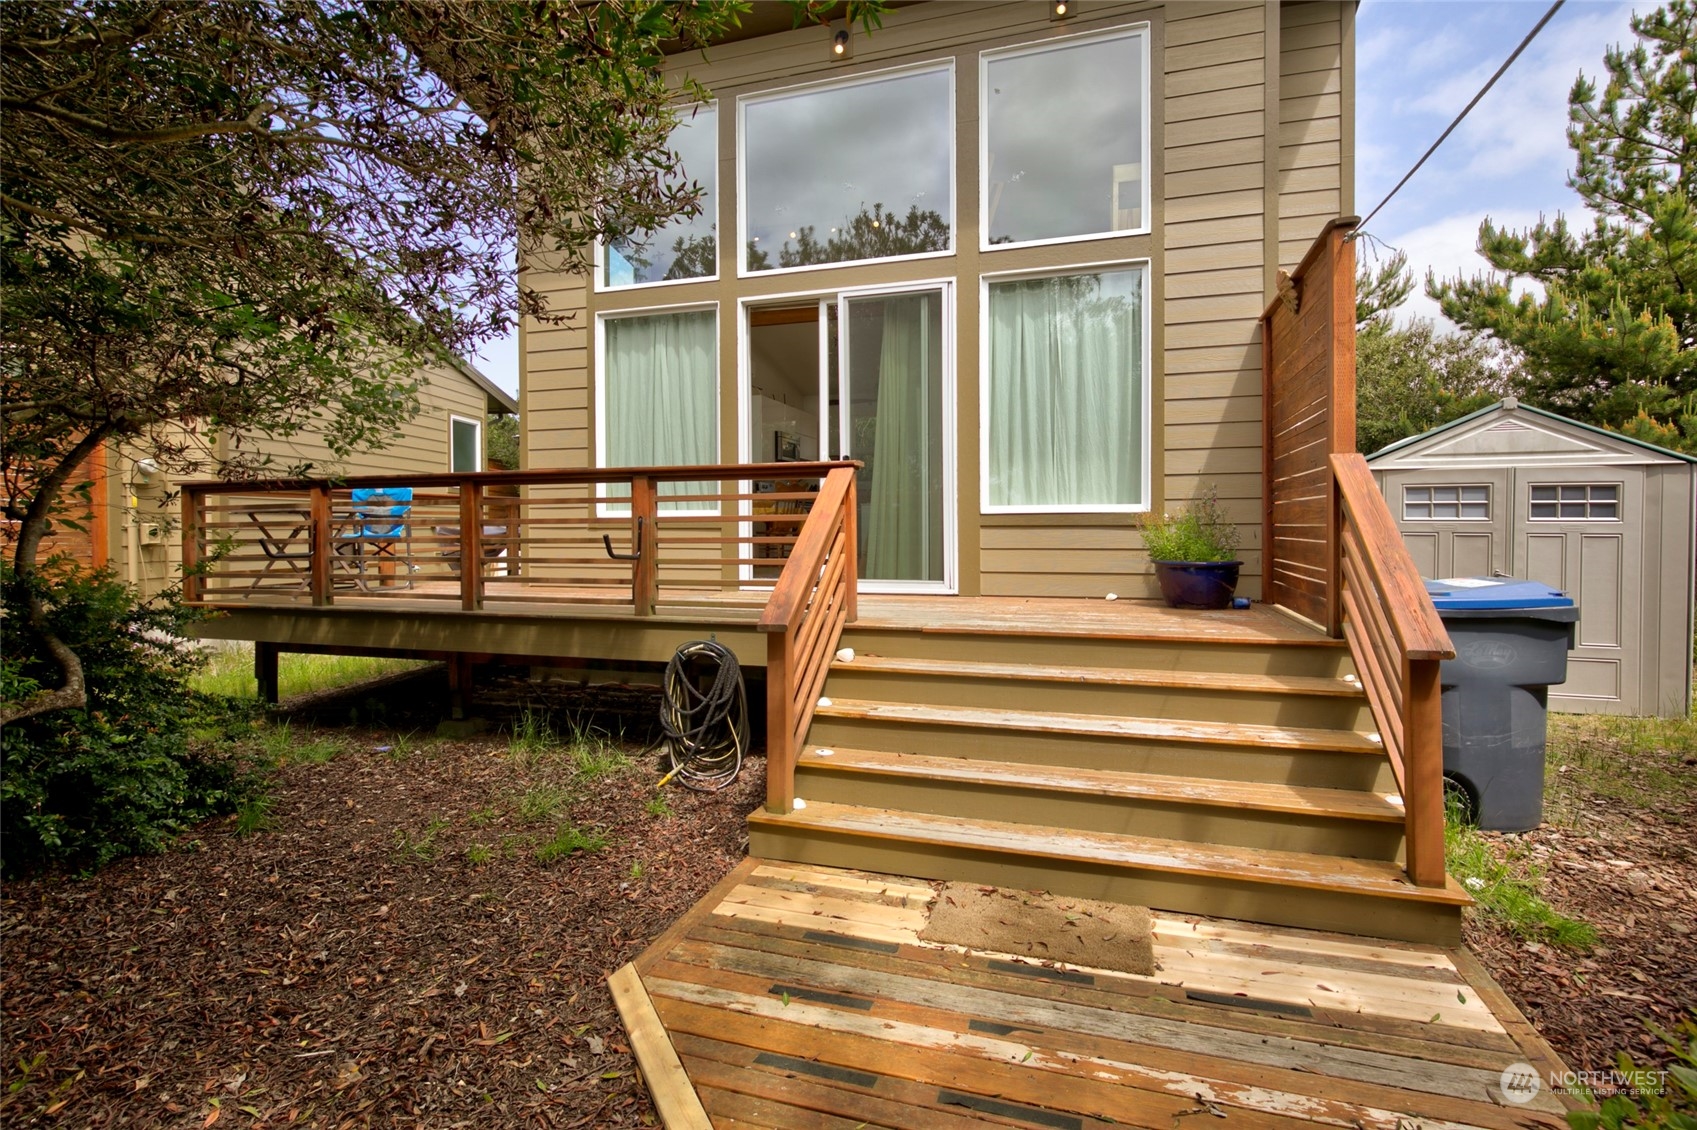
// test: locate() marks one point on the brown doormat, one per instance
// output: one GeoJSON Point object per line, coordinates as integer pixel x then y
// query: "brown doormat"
{"type": "Point", "coordinates": [1106, 935]}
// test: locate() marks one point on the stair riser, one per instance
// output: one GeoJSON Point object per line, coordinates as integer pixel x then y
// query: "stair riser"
{"type": "Point", "coordinates": [1224, 898]}
{"type": "Point", "coordinates": [1206, 824]}
{"type": "Point", "coordinates": [1256, 708]}
{"type": "Point", "coordinates": [1154, 655]}
{"type": "Point", "coordinates": [1318, 768]}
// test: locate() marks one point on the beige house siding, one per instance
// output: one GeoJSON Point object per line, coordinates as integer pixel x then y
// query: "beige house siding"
{"type": "Point", "coordinates": [422, 446]}
{"type": "Point", "coordinates": [1215, 224]}
{"type": "Point", "coordinates": [1316, 152]}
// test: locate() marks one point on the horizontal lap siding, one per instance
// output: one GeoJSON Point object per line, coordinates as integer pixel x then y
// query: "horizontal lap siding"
{"type": "Point", "coordinates": [1314, 143]}
{"type": "Point", "coordinates": [556, 397]}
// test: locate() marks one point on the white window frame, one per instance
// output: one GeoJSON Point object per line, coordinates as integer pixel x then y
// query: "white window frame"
{"type": "Point", "coordinates": [1146, 361]}
{"type": "Point", "coordinates": [600, 267]}
{"type": "Point", "coordinates": [453, 418]}
{"type": "Point", "coordinates": [1142, 32]}
{"type": "Point", "coordinates": [622, 509]}
{"type": "Point", "coordinates": [745, 100]}
{"type": "Point", "coordinates": [1619, 502]}
{"type": "Point", "coordinates": [1432, 503]}
{"type": "Point", "coordinates": [948, 285]}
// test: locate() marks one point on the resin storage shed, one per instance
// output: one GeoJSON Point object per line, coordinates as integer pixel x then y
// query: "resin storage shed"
{"type": "Point", "coordinates": [1522, 492]}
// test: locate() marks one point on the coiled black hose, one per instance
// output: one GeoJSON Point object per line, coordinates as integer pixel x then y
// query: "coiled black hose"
{"type": "Point", "coordinates": [704, 733]}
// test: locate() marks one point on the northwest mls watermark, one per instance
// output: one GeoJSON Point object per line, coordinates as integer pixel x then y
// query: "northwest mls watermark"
{"type": "Point", "coordinates": [1521, 1083]}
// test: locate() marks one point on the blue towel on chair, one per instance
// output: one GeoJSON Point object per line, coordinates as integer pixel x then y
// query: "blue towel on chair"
{"type": "Point", "coordinates": [382, 502]}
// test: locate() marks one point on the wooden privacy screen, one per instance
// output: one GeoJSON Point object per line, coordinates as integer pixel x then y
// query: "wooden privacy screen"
{"type": "Point", "coordinates": [1308, 375]}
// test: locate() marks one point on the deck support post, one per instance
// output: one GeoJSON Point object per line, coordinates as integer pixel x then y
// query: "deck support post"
{"type": "Point", "coordinates": [459, 684]}
{"type": "Point", "coordinates": [265, 670]}
{"type": "Point", "coordinates": [471, 546]}
{"type": "Point", "coordinates": [194, 526]}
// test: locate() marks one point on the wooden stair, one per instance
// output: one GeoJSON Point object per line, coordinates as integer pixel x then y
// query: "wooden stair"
{"type": "Point", "coordinates": [1230, 775]}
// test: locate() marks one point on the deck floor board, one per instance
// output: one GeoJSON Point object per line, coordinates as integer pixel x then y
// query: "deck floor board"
{"type": "Point", "coordinates": [803, 996]}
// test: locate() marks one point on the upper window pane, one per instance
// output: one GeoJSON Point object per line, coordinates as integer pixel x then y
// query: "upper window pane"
{"type": "Point", "coordinates": [1064, 138]}
{"type": "Point", "coordinates": [684, 248]}
{"type": "Point", "coordinates": [848, 173]}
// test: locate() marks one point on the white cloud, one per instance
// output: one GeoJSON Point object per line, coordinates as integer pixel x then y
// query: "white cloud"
{"type": "Point", "coordinates": [1447, 248]}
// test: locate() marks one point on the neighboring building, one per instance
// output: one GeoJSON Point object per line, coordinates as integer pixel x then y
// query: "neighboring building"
{"type": "Point", "coordinates": [136, 530]}
{"type": "Point", "coordinates": [1015, 263]}
{"type": "Point", "coordinates": [1609, 520]}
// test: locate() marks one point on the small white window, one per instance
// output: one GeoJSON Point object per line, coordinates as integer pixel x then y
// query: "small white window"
{"type": "Point", "coordinates": [1469, 503]}
{"type": "Point", "coordinates": [1576, 502]}
{"type": "Point", "coordinates": [465, 444]}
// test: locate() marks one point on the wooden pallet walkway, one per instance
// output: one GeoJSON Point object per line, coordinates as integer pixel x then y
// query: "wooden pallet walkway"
{"type": "Point", "coordinates": [797, 996]}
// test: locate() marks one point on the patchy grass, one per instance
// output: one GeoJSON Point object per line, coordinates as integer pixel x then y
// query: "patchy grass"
{"type": "Point", "coordinates": [568, 840]}
{"type": "Point", "coordinates": [1644, 762]}
{"type": "Point", "coordinates": [1507, 884]}
{"type": "Point", "coordinates": [282, 744]}
{"type": "Point", "coordinates": [229, 673]}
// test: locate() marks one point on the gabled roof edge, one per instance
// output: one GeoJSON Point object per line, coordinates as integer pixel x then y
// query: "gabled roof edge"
{"type": "Point", "coordinates": [1509, 403]}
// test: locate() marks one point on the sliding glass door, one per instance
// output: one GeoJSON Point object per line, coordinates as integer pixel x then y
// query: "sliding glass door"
{"type": "Point", "coordinates": [869, 373]}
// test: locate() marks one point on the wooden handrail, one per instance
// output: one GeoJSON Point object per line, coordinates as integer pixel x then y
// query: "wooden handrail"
{"type": "Point", "coordinates": [804, 619]}
{"type": "Point", "coordinates": [1397, 641]}
{"type": "Point", "coordinates": [1419, 630]}
{"type": "Point", "coordinates": [535, 476]}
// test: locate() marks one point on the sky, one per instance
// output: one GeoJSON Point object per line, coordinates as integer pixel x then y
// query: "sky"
{"type": "Point", "coordinates": [1418, 62]}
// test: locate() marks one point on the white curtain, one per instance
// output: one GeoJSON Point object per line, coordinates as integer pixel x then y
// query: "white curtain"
{"type": "Point", "coordinates": [1066, 391]}
{"type": "Point", "coordinates": [904, 520]}
{"type": "Point", "coordinates": [662, 397]}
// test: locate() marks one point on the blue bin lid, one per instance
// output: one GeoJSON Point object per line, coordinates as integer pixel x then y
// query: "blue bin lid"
{"type": "Point", "coordinates": [1489, 593]}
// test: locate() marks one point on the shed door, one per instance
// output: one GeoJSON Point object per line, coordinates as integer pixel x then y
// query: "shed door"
{"type": "Point", "coordinates": [1580, 530]}
{"type": "Point", "coordinates": [1455, 524]}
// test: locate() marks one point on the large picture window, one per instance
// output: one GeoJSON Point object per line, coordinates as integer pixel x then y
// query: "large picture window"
{"type": "Point", "coordinates": [685, 246]}
{"type": "Point", "coordinates": [659, 394]}
{"type": "Point", "coordinates": [1065, 139]}
{"type": "Point", "coordinates": [1065, 394]}
{"type": "Point", "coordinates": [849, 172]}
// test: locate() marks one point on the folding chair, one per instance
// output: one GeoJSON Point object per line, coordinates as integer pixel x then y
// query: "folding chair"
{"type": "Point", "coordinates": [288, 549]}
{"type": "Point", "coordinates": [378, 523]}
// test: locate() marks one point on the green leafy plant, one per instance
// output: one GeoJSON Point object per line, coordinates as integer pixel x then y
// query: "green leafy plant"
{"type": "Point", "coordinates": [422, 846]}
{"type": "Point", "coordinates": [568, 839]}
{"type": "Point", "coordinates": [1663, 1101]}
{"type": "Point", "coordinates": [143, 760]}
{"type": "Point", "coordinates": [1198, 531]}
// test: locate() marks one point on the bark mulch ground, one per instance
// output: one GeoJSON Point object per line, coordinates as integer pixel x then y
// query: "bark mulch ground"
{"type": "Point", "coordinates": [1628, 867]}
{"type": "Point", "coordinates": [390, 951]}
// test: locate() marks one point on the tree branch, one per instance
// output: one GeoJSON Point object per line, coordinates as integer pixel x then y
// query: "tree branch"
{"type": "Point", "coordinates": [168, 135]}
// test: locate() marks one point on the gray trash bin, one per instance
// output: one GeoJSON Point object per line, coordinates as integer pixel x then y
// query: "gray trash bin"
{"type": "Point", "coordinates": [1511, 642]}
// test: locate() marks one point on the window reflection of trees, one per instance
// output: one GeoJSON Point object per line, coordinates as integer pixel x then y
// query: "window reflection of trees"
{"type": "Point", "coordinates": [871, 234]}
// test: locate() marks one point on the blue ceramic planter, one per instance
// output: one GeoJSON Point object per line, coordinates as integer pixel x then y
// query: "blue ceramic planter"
{"type": "Point", "coordinates": [1197, 584]}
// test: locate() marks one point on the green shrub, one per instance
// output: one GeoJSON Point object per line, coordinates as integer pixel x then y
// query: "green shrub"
{"type": "Point", "coordinates": [1197, 532]}
{"type": "Point", "coordinates": [146, 758]}
{"type": "Point", "coordinates": [1663, 1100]}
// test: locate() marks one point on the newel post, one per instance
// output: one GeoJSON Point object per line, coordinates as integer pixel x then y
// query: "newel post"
{"type": "Point", "coordinates": [780, 721]}
{"type": "Point", "coordinates": [471, 545]}
{"type": "Point", "coordinates": [645, 544]}
{"type": "Point", "coordinates": [323, 548]}
{"type": "Point", "coordinates": [1423, 772]}
{"type": "Point", "coordinates": [851, 548]}
{"type": "Point", "coordinates": [194, 526]}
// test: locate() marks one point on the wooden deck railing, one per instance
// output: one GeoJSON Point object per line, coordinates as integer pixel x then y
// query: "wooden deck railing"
{"type": "Point", "coordinates": [1397, 642]}
{"type": "Point", "coordinates": [1333, 554]}
{"type": "Point", "coordinates": [804, 619]}
{"type": "Point", "coordinates": [611, 537]}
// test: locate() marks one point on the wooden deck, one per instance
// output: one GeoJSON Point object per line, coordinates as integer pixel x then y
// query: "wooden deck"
{"type": "Point", "coordinates": [802, 997]}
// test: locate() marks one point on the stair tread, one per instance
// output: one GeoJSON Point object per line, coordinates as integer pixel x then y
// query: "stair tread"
{"type": "Point", "coordinates": [1107, 676]}
{"type": "Point", "coordinates": [1282, 868]}
{"type": "Point", "coordinates": [1148, 729]}
{"type": "Point", "coordinates": [1262, 796]}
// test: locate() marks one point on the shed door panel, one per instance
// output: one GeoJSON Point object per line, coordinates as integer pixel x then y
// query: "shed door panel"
{"type": "Point", "coordinates": [1597, 561]}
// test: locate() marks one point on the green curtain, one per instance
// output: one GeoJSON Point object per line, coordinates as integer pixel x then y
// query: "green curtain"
{"type": "Point", "coordinates": [662, 395]}
{"type": "Point", "coordinates": [1067, 391]}
{"type": "Point", "coordinates": [905, 521]}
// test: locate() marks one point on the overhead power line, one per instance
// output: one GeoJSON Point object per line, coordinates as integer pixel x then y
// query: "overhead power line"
{"type": "Point", "coordinates": [1507, 63]}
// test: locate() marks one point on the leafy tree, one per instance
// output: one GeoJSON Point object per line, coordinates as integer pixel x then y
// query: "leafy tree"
{"type": "Point", "coordinates": [1613, 337]}
{"type": "Point", "coordinates": [1411, 378]}
{"type": "Point", "coordinates": [502, 428]}
{"type": "Point", "coordinates": [262, 215]}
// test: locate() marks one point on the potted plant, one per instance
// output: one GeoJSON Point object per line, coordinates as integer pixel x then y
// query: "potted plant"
{"type": "Point", "coordinates": [1193, 550]}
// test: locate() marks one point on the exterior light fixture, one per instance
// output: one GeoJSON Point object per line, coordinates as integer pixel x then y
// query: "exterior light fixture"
{"type": "Point", "coordinates": [1060, 9]}
{"type": "Point", "coordinates": [841, 45]}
